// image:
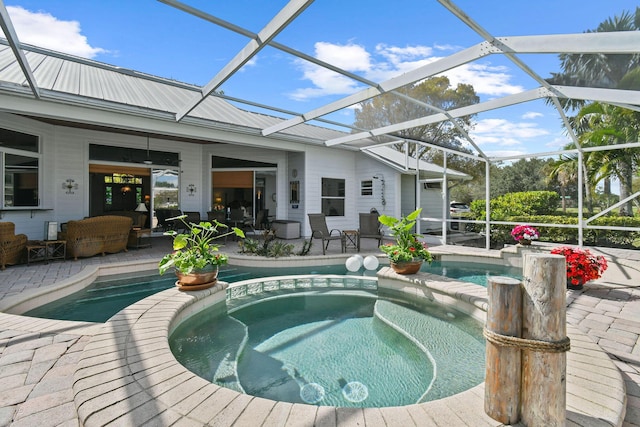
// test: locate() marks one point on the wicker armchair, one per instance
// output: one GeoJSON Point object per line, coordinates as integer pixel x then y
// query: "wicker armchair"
{"type": "Point", "coordinates": [12, 245]}
{"type": "Point", "coordinates": [96, 235]}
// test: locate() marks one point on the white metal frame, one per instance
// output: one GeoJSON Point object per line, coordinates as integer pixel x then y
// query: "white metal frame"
{"type": "Point", "coordinates": [509, 47]}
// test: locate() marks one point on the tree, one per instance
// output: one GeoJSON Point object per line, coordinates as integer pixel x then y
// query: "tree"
{"type": "Point", "coordinates": [389, 109]}
{"type": "Point", "coordinates": [565, 173]}
{"type": "Point", "coordinates": [608, 125]}
{"type": "Point", "coordinates": [435, 91]}
{"type": "Point", "coordinates": [520, 176]}
{"type": "Point", "coordinates": [600, 70]}
{"type": "Point", "coordinates": [600, 124]}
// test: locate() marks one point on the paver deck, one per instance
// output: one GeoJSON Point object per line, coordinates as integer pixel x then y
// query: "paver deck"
{"type": "Point", "coordinates": [124, 374]}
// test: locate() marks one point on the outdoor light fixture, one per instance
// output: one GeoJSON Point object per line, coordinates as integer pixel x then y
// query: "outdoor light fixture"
{"type": "Point", "coordinates": [124, 190]}
{"type": "Point", "coordinates": [70, 185]}
{"type": "Point", "coordinates": [191, 189]}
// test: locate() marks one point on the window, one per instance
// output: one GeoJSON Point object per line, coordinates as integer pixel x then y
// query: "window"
{"type": "Point", "coordinates": [366, 188]}
{"type": "Point", "coordinates": [21, 163]}
{"type": "Point", "coordinates": [333, 196]}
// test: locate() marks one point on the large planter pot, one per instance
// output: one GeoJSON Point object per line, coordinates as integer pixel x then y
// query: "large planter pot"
{"type": "Point", "coordinates": [406, 267]}
{"type": "Point", "coordinates": [198, 279]}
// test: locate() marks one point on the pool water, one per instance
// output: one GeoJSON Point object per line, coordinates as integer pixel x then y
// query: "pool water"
{"type": "Point", "coordinates": [347, 349]}
{"type": "Point", "coordinates": [108, 295]}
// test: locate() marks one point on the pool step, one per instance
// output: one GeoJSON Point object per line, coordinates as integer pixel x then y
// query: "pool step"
{"type": "Point", "coordinates": [226, 374]}
{"type": "Point", "coordinates": [453, 340]}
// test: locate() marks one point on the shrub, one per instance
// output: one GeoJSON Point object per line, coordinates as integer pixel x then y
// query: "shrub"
{"type": "Point", "coordinates": [501, 234]}
{"type": "Point", "coordinates": [517, 204]}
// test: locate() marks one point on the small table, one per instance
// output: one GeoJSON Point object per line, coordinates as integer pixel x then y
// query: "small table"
{"type": "Point", "coordinates": [46, 250]}
{"type": "Point", "coordinates": [139, 238]}
{"type": "Point", "coordinates": [349, 240]}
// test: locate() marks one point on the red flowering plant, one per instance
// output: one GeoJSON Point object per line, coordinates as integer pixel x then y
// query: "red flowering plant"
{"type": "Point", "coordinates": [407, 246]}
{"type": "Point", "coordinates": [525, 232]}
{"type": "Point", "coordinates": [582, 264]}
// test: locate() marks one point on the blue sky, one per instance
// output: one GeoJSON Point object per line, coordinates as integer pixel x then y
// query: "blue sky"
{"type": "Point", "coordinates": [375, 39]}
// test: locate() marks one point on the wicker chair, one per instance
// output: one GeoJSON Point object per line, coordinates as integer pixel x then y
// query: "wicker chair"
{"type": "Point", "coordinates": [319, 230]}
{"type": "Point", "coordinates": [12, 245]}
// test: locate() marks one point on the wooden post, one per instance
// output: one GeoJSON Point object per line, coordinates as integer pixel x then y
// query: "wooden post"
{"type": "Point", "coordinates": [503, 363]}
{"type": "Point", "coordinates": [544, 387]}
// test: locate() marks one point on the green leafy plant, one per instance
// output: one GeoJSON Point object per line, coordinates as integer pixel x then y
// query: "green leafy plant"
{"type": "Point", "coordinates": [407, 246]}
{"type": "Point", "coordinates": [195, 248]}
{"type": "Point", "coordinates": [270, 247]}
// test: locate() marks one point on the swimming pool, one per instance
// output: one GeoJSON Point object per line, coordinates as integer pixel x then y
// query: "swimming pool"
{"type": "Point", "coordinates": [110, 294]}
{"type": "Point", "coordinates": [347, 348]}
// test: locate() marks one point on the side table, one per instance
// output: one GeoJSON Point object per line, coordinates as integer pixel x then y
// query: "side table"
{"type": "Point", "coordinates": [349, 240]}
{"type": "Point", "coordinates": [46, 250]}
{"type": "Point", "coordinates": [139, 238]}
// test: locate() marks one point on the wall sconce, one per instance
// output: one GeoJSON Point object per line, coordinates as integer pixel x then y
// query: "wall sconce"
{"type": "Point", "coordinates": [70, 185]}
{"type": "Point", "coordinates": [124, 190]}
{"type": "Point", "coordinates": [191, 189]}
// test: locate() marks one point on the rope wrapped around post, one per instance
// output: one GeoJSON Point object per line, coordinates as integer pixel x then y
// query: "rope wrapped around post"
{"type": "Point", "coordinates": [559, 346]}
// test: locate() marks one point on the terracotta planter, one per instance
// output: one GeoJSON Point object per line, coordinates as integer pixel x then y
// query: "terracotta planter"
{"type": "Point", "coordinates": [196, 280]}
{"type": "Point", "coordinates": [406, 267]}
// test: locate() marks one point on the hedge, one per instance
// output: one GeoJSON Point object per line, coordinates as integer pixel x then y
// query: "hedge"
{"type": "Point", "coordinates": [501, 234]}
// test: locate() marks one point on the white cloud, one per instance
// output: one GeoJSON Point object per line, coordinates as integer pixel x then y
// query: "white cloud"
{"type": "Point", "coordinates": [388, 61]}
{"type": "Point", "coordinates": [486, 79]}
{"type": "Point", "coordinates": [505, 133]}
{"type": "Point", "coordinates": [250, 63]}
{"type": "Point", "coordinates": [529, 115]}
{"type": "Point", "coordinates": [558, 143]}
{"type": "Point", "coordinates": [350, 57]}
{"type": "Point", "coordinates": [44, 30]}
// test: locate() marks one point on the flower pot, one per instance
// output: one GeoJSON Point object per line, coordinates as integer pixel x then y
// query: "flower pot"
{"type": "Point", "coordinates": [198, 279]}
{"type": "Point", "coordinates": [575, 287]}
{"type": "Point", "coordinates": [524, 242]}
{"type": "Point", "coordinates": [406, 267]}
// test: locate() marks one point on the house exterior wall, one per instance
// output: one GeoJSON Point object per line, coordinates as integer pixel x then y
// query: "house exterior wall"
{"type": "Point", "coordinates": [65, 155]}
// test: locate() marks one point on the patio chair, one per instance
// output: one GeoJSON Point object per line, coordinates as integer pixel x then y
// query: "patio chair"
{"type": "Point", "coordinates": [319, 230]}
{"type": "Point", "coordinates": [370, 228]}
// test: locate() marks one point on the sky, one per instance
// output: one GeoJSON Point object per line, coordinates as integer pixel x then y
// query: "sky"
{"type": "Point", "coordinates": [375, 39]}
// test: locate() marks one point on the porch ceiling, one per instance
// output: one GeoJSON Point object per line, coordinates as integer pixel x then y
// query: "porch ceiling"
{"type": "Point", "coordinates": [40, 74]}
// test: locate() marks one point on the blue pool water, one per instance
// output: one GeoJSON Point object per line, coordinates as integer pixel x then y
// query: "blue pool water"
{"type": "Point", "coordinates": [107, 296]}
{"type": "Point", "coordinates": [348, 349]}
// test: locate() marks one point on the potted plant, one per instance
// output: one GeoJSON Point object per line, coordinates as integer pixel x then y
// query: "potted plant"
{"type": "Point", "coordinates": [524, 234]}
{"type": "Point", "coordinates": [582, 265]}
{"type": "Point", "coordinates": [407, 254]}
{"type": "Point", "coordinates": [195, 257]}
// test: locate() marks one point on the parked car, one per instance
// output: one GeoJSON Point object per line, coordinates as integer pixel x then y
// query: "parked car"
{"type": "Point", "coordinates": [457, 208]}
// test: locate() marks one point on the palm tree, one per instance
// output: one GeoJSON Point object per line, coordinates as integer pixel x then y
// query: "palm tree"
{"type": "Point", "coordinates": [601, 124]}
{"type": "Point", "coordinates": [600, 70]}
{"type": "Point", "coordinates": [565, 172]}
